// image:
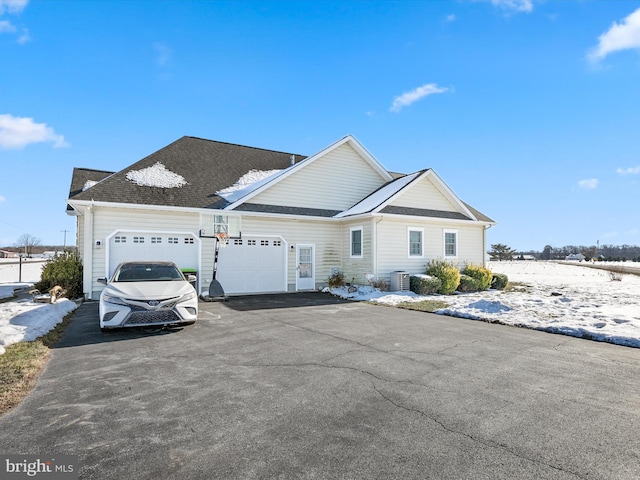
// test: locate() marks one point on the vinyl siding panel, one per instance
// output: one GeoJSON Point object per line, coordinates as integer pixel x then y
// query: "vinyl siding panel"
{"type": "Point", "coordinates": [107, 220]}
{"type": "Point", "coordinates": [392, 245]}
{"type": "Point", "coordinates": [336, 181]}
{"type": "Point", "coordinates": [325, 236]}
{"type": "Point", "coordinates": [424, 195]}
{"type": "Point", "coordinates": [80, 235]}
{"type": "Point", "coordinates": [355, 269]}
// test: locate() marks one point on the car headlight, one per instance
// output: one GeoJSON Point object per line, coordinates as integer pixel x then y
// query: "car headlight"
{"type": "Point", "coordinates": [116, 300]}
{"type": "Point", "coordinates": [188, 296]}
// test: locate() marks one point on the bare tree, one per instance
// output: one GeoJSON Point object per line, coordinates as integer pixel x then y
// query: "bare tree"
{"type": "Point", "coordinates": [26, 242]}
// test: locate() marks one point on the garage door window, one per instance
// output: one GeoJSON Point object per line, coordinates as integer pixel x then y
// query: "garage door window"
{"type": "Point", "coordinates": [138, 239]}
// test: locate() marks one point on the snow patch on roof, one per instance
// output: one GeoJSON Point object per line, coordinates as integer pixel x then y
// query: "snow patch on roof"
{"type": "Point", "coordinates": [156, 175]}
{"type": "Point", "coordinates": [247, 183]}
{"type": "Point", "coordinates": [88, 184]}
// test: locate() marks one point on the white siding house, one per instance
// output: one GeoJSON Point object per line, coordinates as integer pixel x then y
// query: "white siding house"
{"type": "Point", "coordinates": [301, 218]}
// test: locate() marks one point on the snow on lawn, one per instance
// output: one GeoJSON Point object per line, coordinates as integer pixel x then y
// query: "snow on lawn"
{"type": "Point", "coordinates": [558, 298]}
{"type": "Point", "coordinates": [29, 271]}
{"type": "Point", "coordinates": [23, 320]}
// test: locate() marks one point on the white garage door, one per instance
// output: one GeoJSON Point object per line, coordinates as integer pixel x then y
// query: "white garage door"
{"type": "Point", "coordinates": [253, 265]}
{"type": "Point", "coordinates": [182, 249]}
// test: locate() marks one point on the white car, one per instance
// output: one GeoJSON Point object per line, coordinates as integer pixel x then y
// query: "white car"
{"type": "Point", "coordinates": [142, 294]}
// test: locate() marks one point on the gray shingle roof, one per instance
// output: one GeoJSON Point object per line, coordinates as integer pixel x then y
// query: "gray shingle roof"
{"type": "Point", "coordinates": [423, 212]}
{"type": "Point", "coordinates": [313, 212]}
{"type": "Point", "coordinates": [207, 166]}
{"type": "Point", "coordinates": [81, 176]}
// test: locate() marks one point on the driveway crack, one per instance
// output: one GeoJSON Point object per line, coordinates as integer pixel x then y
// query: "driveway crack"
{"type": "Point", "coordinates": [486, 443]}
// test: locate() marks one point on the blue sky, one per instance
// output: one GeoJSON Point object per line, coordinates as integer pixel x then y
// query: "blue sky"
{"type": "Point", "coordinates": [528, 110]}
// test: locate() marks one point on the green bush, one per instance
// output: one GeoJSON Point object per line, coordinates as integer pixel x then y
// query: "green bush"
{"type": "Point", "coordinates": [479, 273]}
{"type": "Point", "coordinates": [336, 280]}
{"type": "Point", "coordinates": [499, 281]}
{"type": "Point", "coordinates": [468, 284]}
{"type": "Point", "coordinates": [64, 270]}
{"type": "Point", "coordinates": [447, 273]}
{"type": "Point", "coordinates": [424, 284]}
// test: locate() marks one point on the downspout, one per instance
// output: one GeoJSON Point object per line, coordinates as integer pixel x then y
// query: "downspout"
{"type": "Point", "coordinates": [374, 245]}
{"type": "Point", "coordinates": [87, 269]}
{"type": "Point", "coordinates": [484, 245]}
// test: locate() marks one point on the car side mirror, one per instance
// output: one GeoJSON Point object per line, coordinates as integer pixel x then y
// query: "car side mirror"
{"type": "Point", "coordinates": [102, 280]}
{"type": "Point", "coordinates": [191, 278]}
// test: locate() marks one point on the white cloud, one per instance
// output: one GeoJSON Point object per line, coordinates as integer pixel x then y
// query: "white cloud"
{"type": "Point", "coordinates": [18, 132]}
{"type": "Point", "coordinates": [12, 6]}
{"type": "Point", "coordinates": [620, 36]}
{"type": "Point", "coordinates": [450, 18]}
{"type": "Point", "coordinates": [6, 27]}
{"type": "Point", "coordinates": [163, 53]}
{"type": "Point", "coordinates": [513, 5]}
{"type": "Point", "coordinates": [589, 183]}
{"type": "Point", "coordinates": [408, 98]}
{"type": "Point", "coordinates": [25, 37]}
{"type": "Point", "coordinates": [628, 171]}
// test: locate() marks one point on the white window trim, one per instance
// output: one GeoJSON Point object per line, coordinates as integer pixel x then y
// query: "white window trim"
{"type": "Point", "coordinates": [351, 230]}
{"type": "Point", "coordinates": [444, 243]}
{"type": "Point", "coordinates": [415, 229]}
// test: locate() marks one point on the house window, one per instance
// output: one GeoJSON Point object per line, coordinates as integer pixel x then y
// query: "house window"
{"type": "Point", "coordinates": [356, 242]}
{"type": "Point", "coordinates": [450, 243]}
{"type": "Point", "coordinates": [138, 239]}
{"type": "Point", "coordinates": [416, 242]}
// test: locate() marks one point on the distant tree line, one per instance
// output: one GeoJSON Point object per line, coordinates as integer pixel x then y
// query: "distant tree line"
{"type": "Point", "coordinates": [609, 253]}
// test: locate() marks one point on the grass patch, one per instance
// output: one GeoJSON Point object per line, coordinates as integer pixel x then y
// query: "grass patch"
{"type": "Point", "coordinates": [517, 287]}
{"type": "Point", "coordinates": [429, 306]}
{"type": "Point", "coordinates": [22, 363]}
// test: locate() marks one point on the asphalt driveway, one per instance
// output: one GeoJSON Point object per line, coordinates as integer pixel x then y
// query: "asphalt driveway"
{"type": "Point", "coordinates": [308, 386]}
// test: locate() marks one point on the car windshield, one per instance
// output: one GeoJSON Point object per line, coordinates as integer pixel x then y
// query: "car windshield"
{"type": "Point", "coordinates": [147, 272]}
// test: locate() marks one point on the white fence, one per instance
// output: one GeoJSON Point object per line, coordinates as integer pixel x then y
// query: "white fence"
{"type": "Point", "coordinates": [29, 270]}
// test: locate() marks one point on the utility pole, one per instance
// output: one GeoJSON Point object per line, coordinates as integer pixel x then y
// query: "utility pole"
{"type": "Point", "coordinates": [64, 245]}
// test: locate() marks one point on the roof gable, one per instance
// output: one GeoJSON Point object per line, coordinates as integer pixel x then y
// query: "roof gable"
{"type": "Point", "coordinates": [324, 180]}
{"type": "Point", "coordinates": [421, 194]}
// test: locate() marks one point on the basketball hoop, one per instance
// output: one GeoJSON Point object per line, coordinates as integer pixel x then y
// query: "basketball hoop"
{"type": "Point", "coordinates": [223, 239]}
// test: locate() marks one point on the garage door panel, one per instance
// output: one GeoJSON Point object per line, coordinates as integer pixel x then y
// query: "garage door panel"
{"type": "Point", "coordinates": [182, 249]}
{"type": "Point", "coordinates": [253, 265]}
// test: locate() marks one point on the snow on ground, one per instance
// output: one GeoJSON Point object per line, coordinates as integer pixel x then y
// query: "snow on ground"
{"type": "Point", "coordinates": [10, 270]}
{"type": "Point", "coordinates": [558, 298]}
{"type": "Point", "coordinates": [23, 320]}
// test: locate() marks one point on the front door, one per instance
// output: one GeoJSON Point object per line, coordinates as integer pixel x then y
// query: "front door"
{"type": "Point", "coordinates": [305, 267]}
